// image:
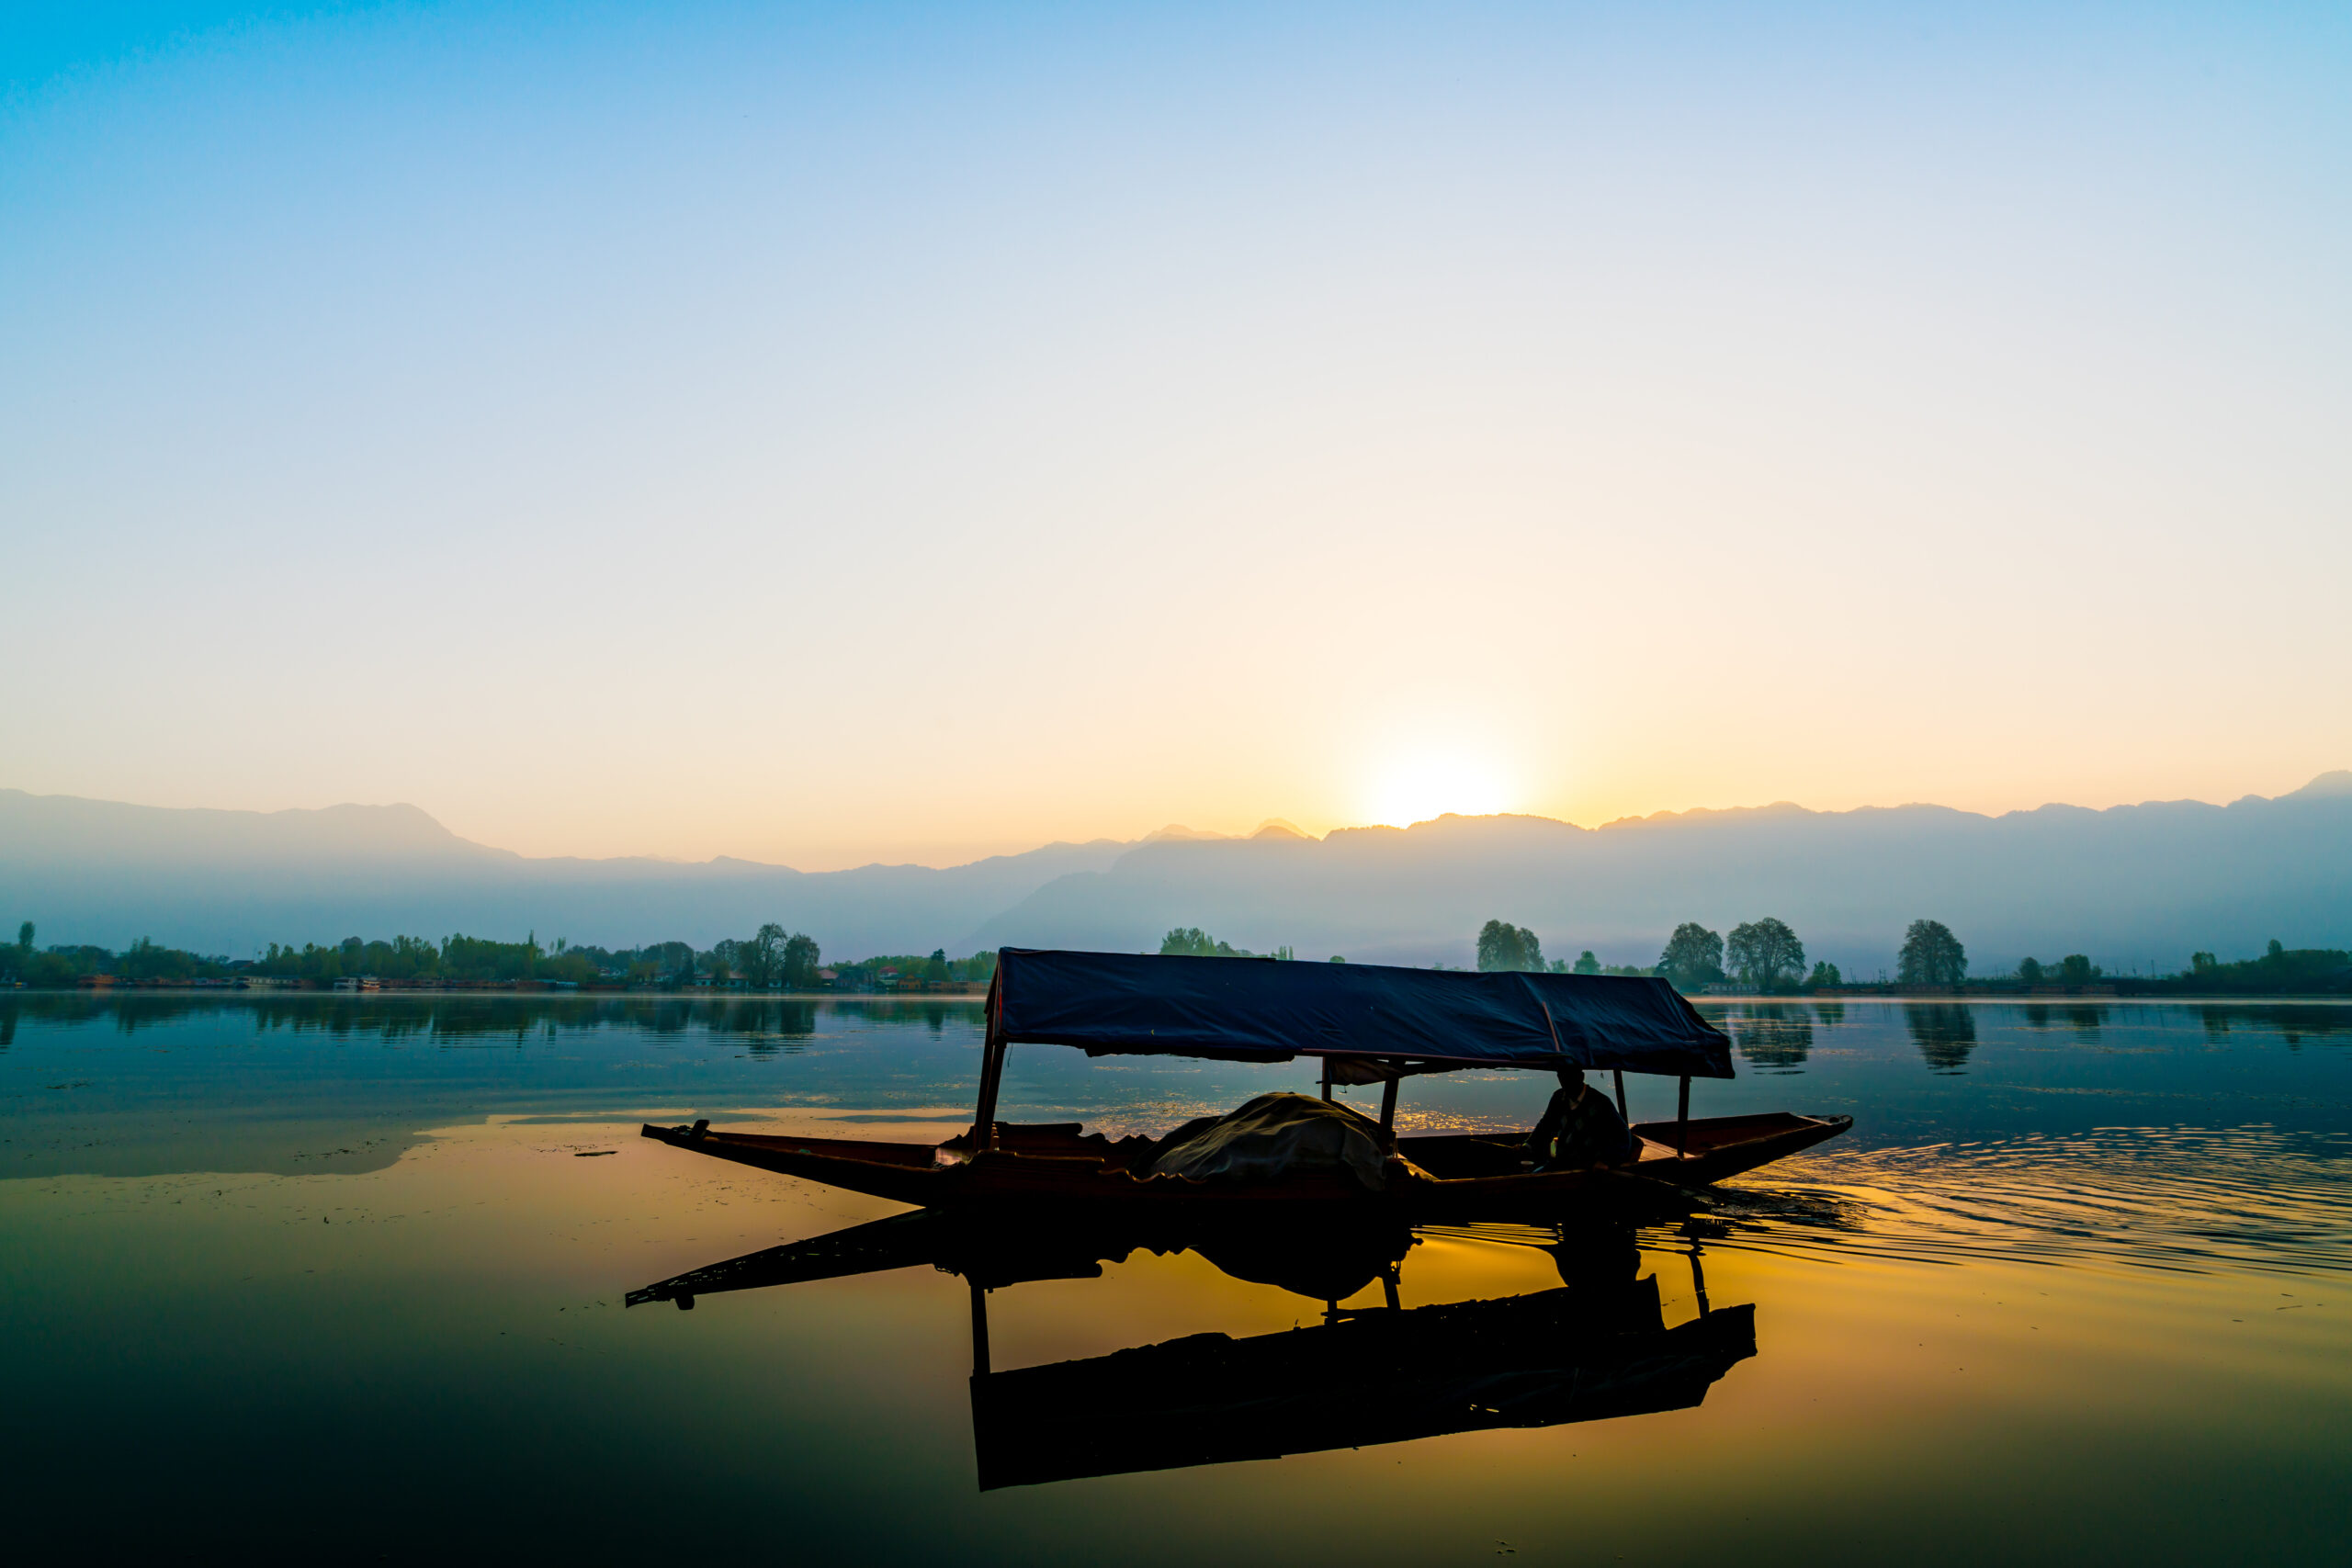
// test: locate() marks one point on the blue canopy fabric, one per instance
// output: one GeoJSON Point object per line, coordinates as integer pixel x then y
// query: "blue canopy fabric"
{"type": "Point", "coordinates": [1256, 1009]}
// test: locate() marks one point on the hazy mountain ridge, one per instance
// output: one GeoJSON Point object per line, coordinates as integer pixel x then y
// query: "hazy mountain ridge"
{"type": "Point", "coordinates": [2145, 882]}
{"type": "Point", "coordinates": [71, 829]}
{"type": "Point", "coordinates": [2133, 883]}
{"type": "Point", "coordinates": [225, 881]}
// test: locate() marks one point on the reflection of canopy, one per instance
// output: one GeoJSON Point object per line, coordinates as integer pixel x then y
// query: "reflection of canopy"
{"type": "Point", "coordinates": [1383, 1377]}
{"type": "Point", "coordinates": [1254, 1009]}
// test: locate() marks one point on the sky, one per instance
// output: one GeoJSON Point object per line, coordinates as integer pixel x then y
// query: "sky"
{"type": "Point", "coordinates": [834, 434]}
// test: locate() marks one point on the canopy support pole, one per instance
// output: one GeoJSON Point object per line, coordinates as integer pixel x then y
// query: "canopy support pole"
{"type": "Point", "coordinates": [991, 1072]}
{"type": "Point", "coordinates": [1682, 1120]}
{"type": "Point", "coordinates": [991, 1075]}
{"type": "Point", "coordinates": [979, 1331]}
{"type": "Point", "coordinates": [1388, 1103]}
{"type": "Point", "coordinates": [1327, 1078]}
{"type": "Point", "coordinates": [1623, 1115]}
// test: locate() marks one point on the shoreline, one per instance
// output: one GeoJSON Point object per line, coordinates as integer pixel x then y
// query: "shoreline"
{"type": "Point", "coordinates": [976, 998]}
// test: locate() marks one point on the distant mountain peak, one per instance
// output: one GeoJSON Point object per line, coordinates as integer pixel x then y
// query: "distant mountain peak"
{"type": "Point", "coordinates": [2335, 781]}
{"type": "Point", "coordinates": [74, 828]}
{"type": "Point", "coordinates": [1277, 827]}
{"type": "Point", "coordinates": [1176, 832]}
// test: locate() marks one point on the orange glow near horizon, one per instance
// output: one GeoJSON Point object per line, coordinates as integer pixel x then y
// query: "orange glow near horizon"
{"type": "Point", "coordinates": [1435, 782]}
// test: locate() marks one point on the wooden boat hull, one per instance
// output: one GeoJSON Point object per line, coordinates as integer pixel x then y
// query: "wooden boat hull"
{"type": "Point", "coordinates": [1435, 1179]}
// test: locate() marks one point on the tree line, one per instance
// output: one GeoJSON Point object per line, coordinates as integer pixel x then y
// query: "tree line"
{"type": "Point", "coordinates": [1190, 942]}
{"type": "Point", "coordinates": [1764, 956]}
{"type": "Point", "coordinates": [770, 959]}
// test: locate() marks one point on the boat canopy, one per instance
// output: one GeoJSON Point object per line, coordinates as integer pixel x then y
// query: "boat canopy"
{"type": "Point", "coordinates": [1257, 1010]}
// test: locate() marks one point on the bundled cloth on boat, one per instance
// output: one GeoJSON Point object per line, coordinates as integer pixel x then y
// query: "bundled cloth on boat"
{"type": "Point", "coordinates": [1278, 1135]}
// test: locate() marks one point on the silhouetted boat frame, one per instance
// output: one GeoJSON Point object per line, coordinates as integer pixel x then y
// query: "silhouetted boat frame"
{"type": "Point", "coordinates": [1368, 1024]}
{"type": "Point", "coordinates": [1595, 1350]}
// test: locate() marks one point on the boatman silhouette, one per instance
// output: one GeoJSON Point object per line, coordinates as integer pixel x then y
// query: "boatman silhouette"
{"type": "Point", "coordinates": [1579, 1129]}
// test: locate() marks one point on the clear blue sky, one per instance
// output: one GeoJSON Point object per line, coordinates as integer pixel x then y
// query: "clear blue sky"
{"type": "Point", "coordinates": [824, 433]}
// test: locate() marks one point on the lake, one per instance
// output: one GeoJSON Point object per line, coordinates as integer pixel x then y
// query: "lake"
{"type": "Point", "coordinates": [329, 1276]}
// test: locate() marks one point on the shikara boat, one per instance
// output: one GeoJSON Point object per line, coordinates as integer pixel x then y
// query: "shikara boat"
{"type": "Point", "coordinates": [1596, 1349]}
{"type": "Point", "coordinates": [1367, 1025]}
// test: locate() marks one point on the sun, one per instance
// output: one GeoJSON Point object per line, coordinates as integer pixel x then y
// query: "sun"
{"type": "Point", "coordinates": [1423, 784]}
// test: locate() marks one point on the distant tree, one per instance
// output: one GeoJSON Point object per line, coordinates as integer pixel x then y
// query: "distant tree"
{"type": "Point", "coordinates": [1504, 947]}
{"type": "Point", "coordinates": [936, 969]}
{"type": "Point", "coordinates": [1824, 973]}
{"type": "Point", "coordinates": [759, 958]}
{"type": "Point", "coordinates": [1694, 957]}
{"type": "Point", "coordinates": [144, 961]}
{"type": "Point", "coordinates": [1337, 959]}
{"type": "Point", "coordinates": [1587, 963]}
{"type": "Point", "coordinates": [2029, 971]}
{"type": "Point", "coordinates": [1931, 955]}
{"type": "Point", "coordinates": [1761, 951]}
{"type": "Point", "coordinates": [1190, 942]}
{"type": "Point", "coordinates": [469, 958]}
{"type": "Point", "coordinates": [25, 938]}
{"type": "Point", "coordinates": [2076, 969]}
{"type": "Point", "coordinates": [2202, 962]}
{"type": "Point", "coordinates": [571, 964]}
{"type": "Point", "coordinates": [53, 968]}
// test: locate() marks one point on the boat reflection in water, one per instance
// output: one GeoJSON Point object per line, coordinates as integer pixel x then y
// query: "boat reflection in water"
{"type": "Point", "coordinates": [1595, 1348]}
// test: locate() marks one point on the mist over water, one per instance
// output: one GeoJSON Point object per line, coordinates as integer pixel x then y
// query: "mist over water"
{"type": "Point", "coordinates": [330, 1269]}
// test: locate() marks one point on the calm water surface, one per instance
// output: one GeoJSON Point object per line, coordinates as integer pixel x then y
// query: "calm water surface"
{"type": "Point", "coordinates": [329, 1277]}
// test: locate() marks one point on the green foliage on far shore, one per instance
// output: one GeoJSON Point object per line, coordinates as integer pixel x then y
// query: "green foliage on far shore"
{"type": "Point", "coordinates": [1504, 947]}
{"type": "Point", "coordinates": [1195, 944]}
{"type": "Point", "coordinates": [769, 959]}
{"type": "Point", "coordinates": [1694, 957]}
{"type": "Point", "coordinates": [1766, 952]}
{"type": "Point", "coordinates": [1931, 955]}
{"type": "Point", "coordinates": [1190, 942]}
{"type": "Point", "coordinates": [2280, 969]}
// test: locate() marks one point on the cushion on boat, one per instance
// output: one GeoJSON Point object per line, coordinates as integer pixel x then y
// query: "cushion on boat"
{"type": "Point", "coordinates": [1276, 1136]}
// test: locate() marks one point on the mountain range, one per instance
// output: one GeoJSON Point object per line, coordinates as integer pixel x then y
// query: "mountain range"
{"type": "Point", "coordinates": [2132, 885]}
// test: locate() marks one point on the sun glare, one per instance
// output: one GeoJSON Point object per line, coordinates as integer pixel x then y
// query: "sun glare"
{"type": "Point", "coordinates": [1431, 784]}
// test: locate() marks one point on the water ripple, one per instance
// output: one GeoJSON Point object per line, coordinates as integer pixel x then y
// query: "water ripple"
{"type": "Point", "coordinates": [2185, 1199]}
